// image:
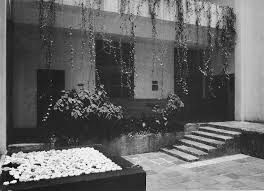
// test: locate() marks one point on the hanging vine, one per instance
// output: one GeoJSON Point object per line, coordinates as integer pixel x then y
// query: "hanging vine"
{"type": "Point", "coordinates": [47, 19]}
{"type": "Point", "coordinates": [128, 27]}
{"type": "Point", "coordinates": [199, 7]}
{"type": "Point", "coordinates": [90, 12]}
{"type": "Point", "coordinates": [153, 6]}
{"type": "Point", "coordinates": [227, 37]}
{"type": "Point", "coordinates": [182, 69]}
{"type": "Point", "coordinates": [223, 38]}
{"type": "Point", "coordinates": [208, 53]}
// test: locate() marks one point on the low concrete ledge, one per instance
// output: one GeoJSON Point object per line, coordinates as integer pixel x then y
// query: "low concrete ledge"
{"type": "Point", "coordinates": [119, 146]}
{"type": "Point", "coordinates": [251, 139]}
{"type": "Point", "coordinates": [248, 127]}
{"type": "Point", "coordinates": [139, 143]}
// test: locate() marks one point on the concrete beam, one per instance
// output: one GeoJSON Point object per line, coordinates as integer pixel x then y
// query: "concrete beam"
{"type": "Point", "coordinates": [3, 12]}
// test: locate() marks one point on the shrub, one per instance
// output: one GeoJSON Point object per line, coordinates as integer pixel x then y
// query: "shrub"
{"type": "Point", "coordinates": [84, 105]}
{"type": "Point", "coordinates": [83, 113]}
{"type": "Point", "coordinates": [173, 107]}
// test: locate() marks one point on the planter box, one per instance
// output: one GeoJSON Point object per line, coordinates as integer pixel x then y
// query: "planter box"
{"type": "Point", "coordinates": [128, 145]}
{"type": "Point", "coordinates": [129, 178]}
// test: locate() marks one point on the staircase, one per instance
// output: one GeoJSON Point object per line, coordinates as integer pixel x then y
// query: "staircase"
{"type": "Point", "coordinates": [208, 141]}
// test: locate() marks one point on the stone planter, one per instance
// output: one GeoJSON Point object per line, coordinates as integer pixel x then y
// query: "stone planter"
{"type": "Point", "coordinates": [130, 178]}
{"type": "Point", "coordinates": [128, 145]}
{"type": "Point", "coordinates": [122, 145]}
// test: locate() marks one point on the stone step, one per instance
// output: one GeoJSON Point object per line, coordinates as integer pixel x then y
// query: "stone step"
{"type": "Point", "coordinates": [197, 145]}
{"type": "Point", "coordinates": [228, 128]}
{"type": "Point", "coordinates": [190, 150]}
{"type": "Point", "coordinates": [211, 142]}
{"type": "Point", "coordinates": [212, 135]}
{"type": "Point", "coordinates": [179, 154]}
{"type": "Point", "coordinates": [219, 131]}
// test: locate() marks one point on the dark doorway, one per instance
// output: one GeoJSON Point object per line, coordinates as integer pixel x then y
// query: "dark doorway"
{"type": "Point", "coordinates": [49, 85]}
{"type": "Point", "coordinates": [118, 84]}
{"type": "Point", "coordinates": [200, 103]}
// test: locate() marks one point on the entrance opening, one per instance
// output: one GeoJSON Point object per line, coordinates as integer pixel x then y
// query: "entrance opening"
{"type": "Point", "coordinates": [49, 85]}
{"type": "Point", "coordinates": [117, 84]}
{"type": "Point", "coordinates": [200, 103]}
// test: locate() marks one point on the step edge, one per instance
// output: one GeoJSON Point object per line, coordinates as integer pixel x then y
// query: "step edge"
{"type": "Point", "coordinates": [223, 127]}
{"type": "Point", "coordinates": [181, 157]}
{"type": "Point", "coordinates": [214, 141]}
{"type": "Point", "coordinates": [205, 148]}
{"type": "Point", "coordinates": [222, 137]}
{"type": "Point", "coordinates": [223, 130]}
{"type": "Point", "coordinates": [190, 152]}
{"type": "Point", "coordinates": [214, 129]}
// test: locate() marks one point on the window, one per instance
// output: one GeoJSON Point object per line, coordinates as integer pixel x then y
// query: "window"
{"type": "Point", "coordinates": [108, 63]}
{"type": "Point", "coordinates": [155, 86]}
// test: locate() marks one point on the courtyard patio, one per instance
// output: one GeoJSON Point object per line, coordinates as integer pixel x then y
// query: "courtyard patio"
{"type": "Point", "coordinates": [131, 95]}
{"type": "Point", "coordinates": [167, 173]}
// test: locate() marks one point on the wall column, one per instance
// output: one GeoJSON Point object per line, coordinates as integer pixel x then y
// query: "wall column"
{"type": "Point", "coordinates": [240, 12]}
{"type": "Point", "coordinates": [249, 61]}
{"type": "Point", "coordinates": [3, 19]}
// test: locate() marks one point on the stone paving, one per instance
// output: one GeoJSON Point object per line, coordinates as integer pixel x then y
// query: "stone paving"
{"type": "Point", "coordinates": [167, 173]}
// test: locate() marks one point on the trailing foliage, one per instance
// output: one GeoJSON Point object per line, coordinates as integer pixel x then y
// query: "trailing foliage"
{"type": "Point", "coordinates": [227, 39]}
{"type": "Point", "coordinates": [182, 69]}
{"type": "Point", "coordinates": [47, 19]}
{"type": "Point", "coordinates": [222, 38]}
{"type": "Point", "coordinates": [128, 27]}
{"type": "Point", "coordinates": [208, 54]}
{"type": "Point", "coordinates": [90, 11]}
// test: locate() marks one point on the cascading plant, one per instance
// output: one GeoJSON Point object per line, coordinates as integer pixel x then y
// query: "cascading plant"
{"type": "Point", "coordinates": [223, 39]}
{"type": "Point", "coordinates": [208, 54]}
{"type": "Point", "coordinates": [182, 69]}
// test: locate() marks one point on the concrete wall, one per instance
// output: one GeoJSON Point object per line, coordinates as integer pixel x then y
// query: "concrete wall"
{"type": "Point", "coordinates": [249, 61]}
{"type": "Point", "coordinates": [108, 22]}
{"type": "Point", "coordinates": [3, 24]}
{"type": "Point", "coordinates": [27, 56]}
{"type": "Point", "coordinates": [165, 11]}
{"type": "Point", "coordinates": [163, 71]}
{"type": "Point", "coordinates": [229, 3]}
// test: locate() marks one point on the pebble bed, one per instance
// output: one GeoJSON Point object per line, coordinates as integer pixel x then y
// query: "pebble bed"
{"type": "Point", "coordinates": [40, 165]}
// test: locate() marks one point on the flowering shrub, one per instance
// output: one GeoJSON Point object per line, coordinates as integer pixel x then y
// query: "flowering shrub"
{"type": "Point", "coordinates": [77, 114]}
{"type": "Point", "coordinates": [85, 105]}
{"type": "Point", "coordinates": [173, 106]}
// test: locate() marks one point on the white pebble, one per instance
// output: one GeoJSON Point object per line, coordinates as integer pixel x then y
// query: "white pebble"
{"type": "Point", "coordinates": [6, 183]}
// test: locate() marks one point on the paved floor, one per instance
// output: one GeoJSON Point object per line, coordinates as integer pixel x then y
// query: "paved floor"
{"type": "Point", "coordinates": [166, 173]}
